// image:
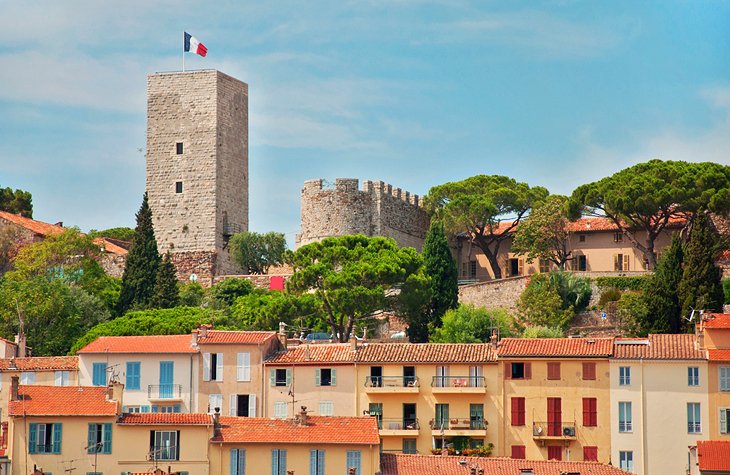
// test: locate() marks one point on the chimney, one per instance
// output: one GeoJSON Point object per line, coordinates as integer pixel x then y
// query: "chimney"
{"type": "Point", "coordinates": [195, 338]}
{"type": "Point", "coordinates": [493, 339]}
{"type": "Point", "coordinates": [282, 334]}
{"type": "Point", "coordinates": [302, 417]}
{"type": "Point", "coordinates": [204, 330]}
{"type": "Point", "coordinates": [353, 342]}
{"type": "Point", "coordinates": [114, 392]}
{"type": "Point", "coordinates": [14, 382]}
{"type": "Point", "coordinates": [217, 423]}
{"type": "Point", "coordinates": [307, 356]}
{"type": "Point", "coordinates": [21, 342]}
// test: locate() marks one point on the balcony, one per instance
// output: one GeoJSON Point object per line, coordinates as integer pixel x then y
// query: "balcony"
{"type": "Point", "coordinates": [459, 427]}
{"type": "Point", "coordinates": [398, 427]}
{"type": "Point", "coordinates": [164, 392]}
{"type": "Point", "coordinates": [459, 384]}
{"type": "Point", "coordinates": [553, 431]}
{"type": "Point", "coordinates": [391, 384]}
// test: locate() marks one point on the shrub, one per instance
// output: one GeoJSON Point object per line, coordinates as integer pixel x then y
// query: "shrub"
{"type": "Point", "coordinates": [726, 290]}
{"type": "Point", "coordinates": [541, 305]}
{"type": "Point", "coordinates": [623, 282]}
{"type": "Point", "coordinates": [610, 294]}
{"type": "Point", "coordinates": [543, 332]}
{"type": "Point", "coordinates": [574, 290]}
{"type": "Point", "coordinates": [631, 310]}
{"type": "Point", "coordinates": [469, 324]}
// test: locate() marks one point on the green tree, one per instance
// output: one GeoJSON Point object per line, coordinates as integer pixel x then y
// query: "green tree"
{"type": "Point", "coordinates": [543, 332]}
{"type": "Point", "coordinates": [470, 324]}
{"type": "Point", "coordinates": [663, 309]}
{"type": "Point", "coordinates": [16, 202]}
{"type": "Point", "coordinates": [544, 233]}
{"type": "Point", "coordinates": [414, 306]}
{"type": "Point", "coordinates": [540, 304]}
{"type": "Point", "coordinates": [256, 252]}
{"type": "Point", "coordinates": [9, 246]}
{"type": "Point", "coordinates": [353, 277]}
{"type": "Point", "coordinates": [143, 260]}
{"type": "Point", "coordinates": [121, 234]}
{"type": "Point", "coordinates": [263, 310]}
{"type": "Point", "coordinates": [192, 294]}
{"type": "Point", "coordinates": [486, 208]}
{"type": "Point", "coordinates": [167, 294]}
{"type": "Point", "coordinates": [643, 199]}
{"type": "Point", "coordinates": [440, 266]}
{"type": "Point", "coordinates": [726, 289]}
{"type": "Point", "coordinates": [701, 284]}
{"type": "Point", "coordinates": [631, 312]}
{"type": "Point", "coordinates": [227, 291]}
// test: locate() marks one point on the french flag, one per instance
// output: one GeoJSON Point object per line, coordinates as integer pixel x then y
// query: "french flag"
{"type": "Point", "coordinates": [192, 45]}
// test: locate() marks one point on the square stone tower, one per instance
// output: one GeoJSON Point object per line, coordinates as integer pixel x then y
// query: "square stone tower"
{"type": "Point", "coordinates": [197, 168]}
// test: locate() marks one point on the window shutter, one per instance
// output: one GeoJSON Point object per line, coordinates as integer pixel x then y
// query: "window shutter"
{"type": "Point", "coordinates": [507, 370]}
{"type": "Point", "coordinates": [155, 408]}
{"type": "Point", "coordinates": [520, 266]}
{"type": "Point", "coordinates": [145, 408]}
{"type": "Point", "coordinates": [242, 461]}
{"type": "Point", "coordinates": [589, 371]}
{"type": "Point", "coordinates": [91, 439]}
{"type": "Point", "coordinates": [244, 367]}
{"type": "Point", "coordinates": [518, 451]}
{"type": "Point", "coordinates": [274, 461]}
{"type": "Point", "coordinates": [177, 408]}
{"type": "Point", "coordinates": [288, 377]}
{"type": "Point", "coordinates": [553, 371]}
{"type": "Point", "coordinates": [32, 444]}
{"type": "Point", "coordinates": [528, 370]}
{"type": "Point", "coordinates": [234, 462]}
{"type": "Point", "coordinates": [107, 438]}
{"type": "Point", "coordinates": [312, 462]}
{"type": "Point", "coordinates": [515, 416]}
{"type": "Point", "coordinates": [590, 454]}
{"type": "Point", "coordinates": [333, 372]}
{"type": "Point", "coordinates": [626, 262]}
{"type": "Point", "coordinates": [320, 462]}
{"type": "Point", "coordinates": [206, 367]}
{"type": "Point", "coordinates": [616, 264]}
{"type": "Point", "coordinates": [251, 405]}
{"type": "Point", "coordinates": [234, 404]}
{"type": "Point", "coordinates": [57, 434]}
{"type": "Point", "coordinates": [272, 377]}
{"type": "Point", "coordinates": [317, 377]}
{"type": "Point", "coordinates": [353, 461]}
{"type": "Point", "coordinates": [723, 421]}
{"type": "Point", "coordinates": [219, 367]}
{"type": "Point", "coordinates": [282, 462]}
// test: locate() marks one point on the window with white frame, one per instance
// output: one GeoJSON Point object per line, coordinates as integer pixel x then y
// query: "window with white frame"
{"type": "Point", "coordinates": [626, 460]}
{"type": "Point", "coordinates": [27, 377]}
{"type": "Point", "coordinates": [624, 417]}
{"type": "Point", "coordinates": [280, 410]}
{"type": "Point", "coordinates": [624, 375]}
{"type": "Point", "coordinates": [326, 408]}
{"type": "Point", "coordinates": [212, 366]}
{"type": "Point", "coordinates": [693, 376]}
{"type": "Point", "coordinates": [215, 400]}
{"type": "Point", "coordinates": [693, 418]}
{"type": "Point", "coordinates": [724, 420]}
{"type": "Point", "coordinates": [724, 378]}
{"type": "Point", "coordinates": [63, 378]}
{"type": "Point", "coordinates": [164, 445]}
{"type": "Point", "coordinates": [243, 367]}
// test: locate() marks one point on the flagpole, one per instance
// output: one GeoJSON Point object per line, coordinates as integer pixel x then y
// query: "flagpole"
{"type": "Point", "coordinates": [183, 52]}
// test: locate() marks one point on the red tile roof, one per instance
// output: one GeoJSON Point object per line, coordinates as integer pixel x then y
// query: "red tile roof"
{"type": "Point", "coordinates": [556, 347]}
{"type": "Point", "coordinates": [713, 455]}
{"type": "Point", "coordinates": [149, 418]}
{"type": "Point", "coordinates": [587, 224]}
{"type": "Point", "coordinates": [405, 464]}
{"type": "Point", "coordinates": [236, 337]}
{"type": "Point", "coordinates": [426, 353]}
{"type": "Point", "coordinates": [38, 227]}
{"type": "Point", "coordinates": [140, 344]}
{"type": "Point", "coordinates": [331, 353]}
{"type": "Point", "coordinates": [320, 430]}
{"type": "Point", "coordinates": [658, 347]}
{"type": "Point", "coordinates": [718, 355]}
{"type": "Point", "coordinates": [40, 363]}
{"type": "Point", "coordinates": [110, 247]}
{"type": "Point", "coordinates": [717, 320]}
{"type": "Point", "coordinates": [62, 401]}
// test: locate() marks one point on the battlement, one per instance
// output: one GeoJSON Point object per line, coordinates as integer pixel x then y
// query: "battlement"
{"type": "Point", "coordinates": [377, 189]}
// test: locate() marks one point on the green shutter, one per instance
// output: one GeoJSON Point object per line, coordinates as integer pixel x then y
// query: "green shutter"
{"type": "Point", "coordinates": [288, 377]}
{"type": "Point", "coordinates": [32, 444]}
{"type": "Point", "coordinates": [57, 434]}
{"type": "Point", "coordinates": [272, 377]}
{"type": "Point", "coordinates": [317, 377]}
{"type": "Point", "coordinates": [333, 372]}
{"type": "Point", "coordinates": [107, 438]}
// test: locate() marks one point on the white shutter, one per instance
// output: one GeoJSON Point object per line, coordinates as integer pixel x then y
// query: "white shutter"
{"type": "Point", "coordinates": [206, 366]}
{"type": "Point", "coordinates": [219, 367]}
{"type": "Point", "coordinates": [723, 421]}
{"type": "Point", "coordinates": [244, 367]}
{"type": "Point", "coordinates": [251, 405]}
{"type": "Point", "coordinates": [234, 404]}
{"type": "Point", "coordinates": [215, 400]}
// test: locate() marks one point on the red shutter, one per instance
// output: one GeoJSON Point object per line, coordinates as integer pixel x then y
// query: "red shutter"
{"type": "Point", "coordinates": [508, 371]}
{"type": "Point", "coordinates": [555, 452]}
{"type": "Point", "coordinates": [554, 414]}
{"type": "Point", "coordinates": [589, 371]}
{"type": "Point", "coordinates": [590, 454]}
{"type": "Point", "coordinates": [518, 451]}
{"type": "Point", "coordinates": [553, 370]}
{"type": "Point", "coordinates": [518, 411]}
{"type": "Point", "coordinates": [515, 410]}
{"type": "Point", "coordinates": [528, 370]}
{"type": "Point", "coordinates": [522, 410]}
{"type": "Point", "coordinates": [590, 412]}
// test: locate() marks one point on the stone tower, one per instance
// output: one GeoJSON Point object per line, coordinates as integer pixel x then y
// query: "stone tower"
{"type": "Point", "coordinates": [197, 168]}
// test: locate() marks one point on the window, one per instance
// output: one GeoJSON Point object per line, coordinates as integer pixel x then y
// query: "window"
{"type": "Point", "coordinates": [621, 262]}
{"type": "Point", "coordinates": [515, 266]}
{"type": "Point", "coordinates": [243, 367]}
{"type": "Point", "coordinates": [624, 417]}
{"type": "Point", "coordinates": [100, 439]}
{"type": "Point", "coordinates": [693, 418]}
{"type": "Point", "coordinates": [626, 460]}
{"type": "Point", "coordinates": [63, 378]}
{"type": "Point", "coordinates": [582, 262]}
{"type": "Point", "coordinates": [589, 371]}
{"type": "Point", "coordinates": [581, 238]}
{"type": "Point", "coordinates": [590, 412]}
{"type": "Point", "coordinates": [624, 375]}
{"type": "Point", "coordinates": [238, 461]}
{"type": "Point", "coordinates": [326, 408]}
{"type": "Point", "coordinates": [280, 410]}
{"type": "Point", "coordinates": [166, 408]}
{"type": "Point", "coordinates": [476, 416]}
{"type": "Point", "coordinates": [590, 454]}
{"type": "Point", "coordinates": [544, 266]}
{"type": "Point", "coordinates": [325, 377]}
{"type": "Point", "coordinates": [178, 187]}
{"type": "Point", "coordinates": [441, 420]}
{"type": "Point", "coordinates": [724, 378]}
{"type": "Point", "coordinates": [473, 269]}
{"type": "Point", "coordinates": [693, 376]}
{"type": "Point", "coordinates": [44, 438]}
{"type": "Point", "coordinates": [518, 451]}
{"type": "Point", "coordinates": [27, 377]}
{"type": "Point", "coordinates": [518, 411]}
{"type": "Point", "coordinates": [99, 374]}
{"type": "Point", "coordinates": [316, 462]}
{"type": "Point", "coordinates": [442, 377]}
{"type": "Point", "coordinates": [280, 377]}
{"type": "Point", "coordinates": [555, 452]}
{"type": "Point", "coordinates": [278, 462]}
{"type": "Point", "coordinates": [164, 445]}
{"type": "Point", "coordinates": [724, 420]}
{"type": "Point", "coordinates": [133, 375]}
{"type": "Point", "coordinates": [179, 148]}
{"type": "Point", "coordinates": [618, 237]}
{"type": "Point", "coordinates": [131, 409]}
{"type": "Point", "coordinates": [553, 371]}
{"type": "Point", "coordinates": [353, 461]}
{"type": "Point", "coordinates": [243, 405]}
{"type": "Point", "coordinates": [375, 409]}
{"type": "Point", "coordinates": [215, 401]}
{"type": "Point", "coordinates": [212, 366]}
{"type": "Point", "coordinates": [409, 446]}
{"type": "Point", "coordinates": [520, 371]}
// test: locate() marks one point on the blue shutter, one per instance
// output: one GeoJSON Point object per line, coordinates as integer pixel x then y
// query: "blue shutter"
{"type": "Point", "coordinates": [234, 462]}
{"type": "Point", "coordinates": [32, 444]}
{"type": "Point", "coordinates": [57, 434]}
{"type": "Point", "coordinates": [91, 439]}
{"type": "Point", "coordinates": [317, 377]}
{"type": "Point", "coordinates": [107, 438]}
{"type": "Point", "coordinates": [155, 408]}
{"type": "Point", "coordinates": [312, 462]}
{"type": "Point", "coordinates": [282, 462]}
{"type": "Point", "coordinates": [133, 375]}
{"type": "Point", "coordinates": [177, 408]}
{"type": "Point", "coordinates": [320, 462]}
{"type": "Point", "coordinates": [353, 460]}
{"type": "Point", "coordinates": [145, 408]}
{"type": "Point", "coordinates": [241, 461]}
{"type": "Point", "coordinates": [99, 374]}
{"type": "Point", "coordinates": [274, 461]}
{"type": "Point", "coordinates": [333, 381]}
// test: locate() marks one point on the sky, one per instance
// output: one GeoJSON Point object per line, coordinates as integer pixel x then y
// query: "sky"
{"type": "Point", "coordinates": [412, 92]}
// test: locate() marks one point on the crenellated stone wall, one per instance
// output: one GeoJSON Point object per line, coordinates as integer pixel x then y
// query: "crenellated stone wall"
{"type": "Point", "coordinates": [378, 209]}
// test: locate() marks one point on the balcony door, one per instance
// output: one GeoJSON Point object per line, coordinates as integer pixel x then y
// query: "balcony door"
{"type": "Point", "coordinates": [409, 376]}
{"type": "Point", "coordinates": [166, 378]}
{"type": "Point", "coordinates": [442, 417]}
{"type": "Point", "coordinates": [376, 376]}
{"type": "Point", "coordinates": [476, 416]}
{"type": "Point", "coordinates": [409, 416]}
{"type": "Point", "coordinates": [554, 416]}
{"type": "Point", "coordinates": [442, 377]}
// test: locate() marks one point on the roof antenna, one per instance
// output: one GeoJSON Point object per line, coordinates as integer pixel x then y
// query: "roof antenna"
{"type": "Point", "coordinates": [691, 316]}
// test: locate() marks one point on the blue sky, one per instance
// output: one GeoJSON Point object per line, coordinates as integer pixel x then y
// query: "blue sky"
{"type": "Point", "coordinates": [412, 92]}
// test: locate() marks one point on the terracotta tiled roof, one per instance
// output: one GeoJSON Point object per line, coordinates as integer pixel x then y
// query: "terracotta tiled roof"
{"type": "Point", "coordinates": [717, 320]}
{"type": "Point", "coordinates": [149, 418]}
{"type": "Point", "coordinates": [724, 256]}
{"type": "Point", "coordinates": [333, 353]}
{"type": "Point", "coordinates": [140, 344]}
{"type": "Point", "coordinates": [62, 401]}
{"type": "Point", "coordinates": [40, 363]}
{"type": "Point", "coordinates": [713, 455]}
{"type": "Point", "coordinates": [588, 224]}
{"type": "Point", "coordinates": [110, 247]}
{"type": "Point", "coordinates": [236, 337]}
{"type": "Point", "coordinates": [718, 355]}
{"type": "Point", "coordinates": [658, 347]}
{"type": "Point", "coordinates": [556, 347]}
{"type": "Point", "coordinates": [405, 464]}
{"type": "Point", "coordinates": [320, 430]}
{"type": "Point", "coordinates": [38, 227]}
{"type": "Point", "coordinates": [8, 342]}
{"type": "Point", "coordinates": [426, 353]}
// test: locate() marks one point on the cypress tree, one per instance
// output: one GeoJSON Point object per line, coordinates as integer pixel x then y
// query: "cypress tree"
{"type": "Point", "coordinates": [143, 260]}
{"type": "Point", "coordinates": [701, 284]}
{"type": "Point", "coordinates": [664, 312]}
{"type": "Point", "coordinates": [441, 268]}
{"type": "Point", "coordinates": [166, 294]}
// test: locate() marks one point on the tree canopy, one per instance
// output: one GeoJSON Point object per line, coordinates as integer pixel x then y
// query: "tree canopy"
{"type": "Point", "coordinates": [16, 202]}
{"type": "Point", "coordinates": [544, 233]}
{"type": "Point", "coordinates": [469, 324]}
{"type": "Point", "coordinates": [701, 284]}
{"type": "Point", "coordinates": [122, 234]}
{"type": "Point", "coordinates": [256, 252]}
{"type": "Point", "coordinates": [663, 309]}
{"type": "Point", "coordinates": [263, 310]}
{"type": "Point", "coordinates": [167, 294]}
{"type": "Point", "coordinates": [440, 267]}
{"type": "Point", "coordinates": [644, 199]}
{"type": "Point", "coordinates": [353, 277]}
{"type": "Point", "coordinates": [487, 208]}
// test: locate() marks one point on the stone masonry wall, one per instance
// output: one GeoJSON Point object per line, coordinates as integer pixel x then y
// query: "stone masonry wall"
{"type": "Point", "coordinates": [378, 209]}
{"type": "Point", "coordinates": [503, 293]}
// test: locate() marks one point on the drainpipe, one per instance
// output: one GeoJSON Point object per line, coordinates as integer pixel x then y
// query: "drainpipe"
{"type": "Point", "coordinates": [503, 445]}
{"type": "Point", "coordinates": [192, 392]}
{"type": "Point", "coordinates": [644, 455]}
